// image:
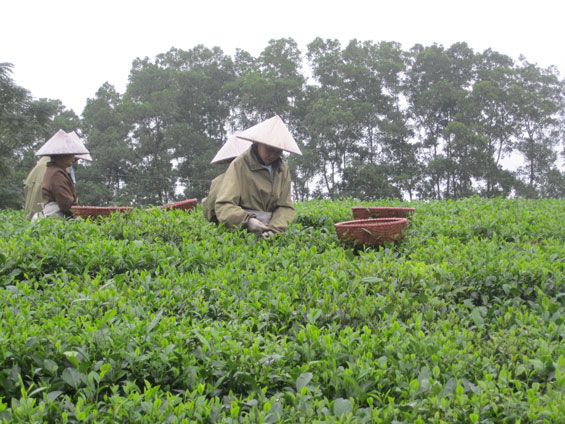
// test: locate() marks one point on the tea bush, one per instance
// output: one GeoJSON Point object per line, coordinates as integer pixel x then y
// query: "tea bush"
{"type": "Point", "coordinates": [163, 317]}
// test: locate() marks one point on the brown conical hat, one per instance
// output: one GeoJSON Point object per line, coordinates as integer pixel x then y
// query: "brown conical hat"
{"type": "Point", "coordinates": [62, 144]}
{"type": "Point", "coordinates": [231, 149]}
{"type": "Point", "coordinates": [272, 132]}
{"type": "Point", "coordinates": [76, 138]}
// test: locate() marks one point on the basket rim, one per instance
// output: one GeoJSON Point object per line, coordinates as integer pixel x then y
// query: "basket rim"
{"type": "Point", "coordinates": [383, 208]}
{"type": "Point", "coordinates": [187, 202]}
{"type": "Point", "coordinates": [371, 222]}
{"type": "Point", "coordinates": [101, 208]}
{"type": "Point", "coordinates": [193, 200]}
{"type": "Point", "coordinates": [182, 202]}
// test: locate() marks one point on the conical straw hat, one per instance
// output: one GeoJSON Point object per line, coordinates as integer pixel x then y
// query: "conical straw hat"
{"type": "Point", "coordinates": [76, 138]}
{"type": "Point", "coordinates": [61, 144]}
{"type": "Point", "coordinates": [231, 149]}
{"type": "Point", "coordinates": [272, 132]}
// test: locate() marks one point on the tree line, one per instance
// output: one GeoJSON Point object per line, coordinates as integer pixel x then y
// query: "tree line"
{"type": "Point", "coordinates": [372, 120]}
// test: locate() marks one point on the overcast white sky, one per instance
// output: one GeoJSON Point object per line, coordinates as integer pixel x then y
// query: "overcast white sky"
{"type": "Point", "coordinates": [66, 49]}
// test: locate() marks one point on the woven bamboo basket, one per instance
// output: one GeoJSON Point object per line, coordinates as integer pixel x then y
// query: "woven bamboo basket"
{"type": "Point", "coordinates": [184, 205]}
{"type": "Point", "coordinates": [371, 232]}
{"type": "Point", "coordinates": [367, 212]}
{"type": "Point", "coordinates": [97, 211]}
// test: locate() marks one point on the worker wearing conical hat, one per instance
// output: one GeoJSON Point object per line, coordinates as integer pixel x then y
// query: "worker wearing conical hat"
{"type": "Point", "coordinates": [33, 195]}
{"type": "Point", "coordinates": [255, 190]}
{"type": "Point", "coordinates": [58, 188]}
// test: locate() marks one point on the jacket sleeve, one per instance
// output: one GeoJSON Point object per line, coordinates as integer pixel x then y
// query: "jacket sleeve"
{"type": "Point", "coordinates": [63, 192]}
{"type": "Point", "coordinates": [284, 211]}
{"type": "Point", "coordinates": [228, 198]}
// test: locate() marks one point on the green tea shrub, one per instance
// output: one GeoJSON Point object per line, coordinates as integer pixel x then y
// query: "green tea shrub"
{"type": "Point", "coordinates": [163, 317]}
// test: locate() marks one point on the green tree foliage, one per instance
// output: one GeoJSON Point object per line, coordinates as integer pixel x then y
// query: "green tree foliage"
{"type": "Point", "coordinates": [177, 108]}
{"type": "Point", "coordinates": [437, 82]}
{"type": "Point", "coordinates": [103, 181]}
{"type": "Point", "coordinates": [467, 154]}
{"type": "Point", "coordinates": [334, 130]}
{"type": "Point", "coordinates": [388, 143]}
{"type": "Point", "coordinates": [371, 119]}
{"type": "Point", "coordinates": [25, 124]}
{"type": "Point", "coordinates": [149, 107]}
{"type": "Point", "coordinates": [369, 181]}
{"type": "Point", "coordinates": [540, 98]}
{"type": "Point", "coordinates": [205, 77]}
{"type": "Point", "coordinates": [14, 108]}
{"type": "Point", "coordinates": [492, 106]}
{"type": "Point", "coordinates": [359, 101]}
{"type": "Point", "coordinates": [268, 85]}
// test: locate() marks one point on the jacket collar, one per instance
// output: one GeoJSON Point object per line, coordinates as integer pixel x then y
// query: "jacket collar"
{"type": "Point", "coordinates": [56, 165]}
{"type": "Point", "coordinates": [252, 159]}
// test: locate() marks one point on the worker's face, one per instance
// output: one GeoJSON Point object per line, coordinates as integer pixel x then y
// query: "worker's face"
{"type": "Point", "coordinates": [65, 160]}
{"type": "Point", "coordinates": [268, 154]}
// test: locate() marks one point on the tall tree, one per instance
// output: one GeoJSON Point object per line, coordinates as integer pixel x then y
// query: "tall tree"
{"type": "Point", "coordinates": [103, 181]}
{"type": "Point", "coordinates": [363, 85]}
{"type": "Point", "coordinates": [398, 151]}
{"type": "Point", "coordinates": [492, 107]}
{"type": "Point", "coordinates": [330, 125]}
{"type": "Point", "coordinates": [178, 106]}
{"type": "Point", "coordinates": [14, 103]}
{"type": "Point", "coordinates": [540, 97]}
{"type": "Point", "coordinates": [467, 159]}
{"type": "Point", "coordinates": [205, 79]}
{"type": "Point", "coordinates": [332, 129]}
{"type": "Point", "coordinates": [437, 84]}
{"type": "Point", "coordinates": [379, 158]}
{"type": "Point", "coordinates": [149, 108]}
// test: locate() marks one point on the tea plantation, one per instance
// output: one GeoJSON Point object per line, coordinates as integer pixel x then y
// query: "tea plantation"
{"type": "Point", "coordinates": [162, 317]}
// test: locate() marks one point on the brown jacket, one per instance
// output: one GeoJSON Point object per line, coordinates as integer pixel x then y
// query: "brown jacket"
{"type": "Point", "coordinates": [59, 187]}
{"type": "Point", "coordinates": [248, 185]}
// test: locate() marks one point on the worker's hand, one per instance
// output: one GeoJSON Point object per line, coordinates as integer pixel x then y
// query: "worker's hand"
{"type": "Point", "coordinates": [256, 226]}
{"type": "Point", "coordinates": [268, 234]}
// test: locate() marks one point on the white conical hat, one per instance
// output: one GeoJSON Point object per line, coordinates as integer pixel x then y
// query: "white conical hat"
{"type": "Point", "coordinates": [76, 138]}
{"type": "Point", "coordinates": [272, 132]}
{"type": "Point", "coordinates": [231, 149]}
{"type": "Point", "coordinates": [62, 144]}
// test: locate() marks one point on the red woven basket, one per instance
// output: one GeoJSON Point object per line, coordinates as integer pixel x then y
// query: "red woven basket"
{"type": "Point", "coordinates": [371, 232]}
{"type": "Point", "coordinates": [184, 205]}
{"type": "Point", "coordinates": [367, 212]}
{"type": "Point", "coordinates": [96, 211]}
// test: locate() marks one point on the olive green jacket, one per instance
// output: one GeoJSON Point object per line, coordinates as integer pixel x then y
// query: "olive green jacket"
{"type": "Point", "coordinates": [248, 185]}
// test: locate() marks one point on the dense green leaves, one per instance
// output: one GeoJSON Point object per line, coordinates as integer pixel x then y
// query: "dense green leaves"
{"type": "Point", "coordinates": [163, 316]}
